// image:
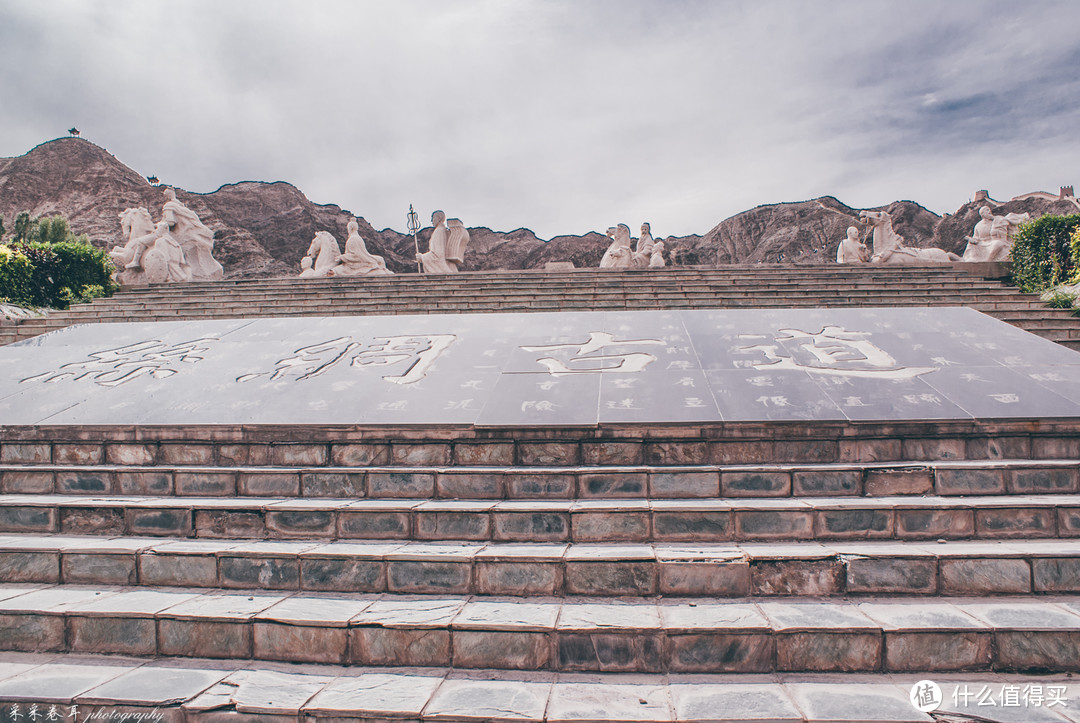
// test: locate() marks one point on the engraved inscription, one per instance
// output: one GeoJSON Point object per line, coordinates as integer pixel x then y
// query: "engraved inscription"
{"type": "Point", "coordinates": [587, 362]}
{"type": "Point", "coordinates": [834, 351]}
{"type": "Point", "coordinates": [113, 367]}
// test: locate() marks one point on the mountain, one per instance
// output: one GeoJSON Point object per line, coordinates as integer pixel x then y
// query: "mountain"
{"type": "Point", "coordinates": [264, 229]}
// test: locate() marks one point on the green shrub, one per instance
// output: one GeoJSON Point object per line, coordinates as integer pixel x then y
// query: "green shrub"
{"type": "Point", "coordinates": [1044, 254]}
{"type": "Point", "coordinates": [16, 273]}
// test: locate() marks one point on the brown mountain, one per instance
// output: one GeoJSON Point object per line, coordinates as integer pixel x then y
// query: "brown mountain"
{"type": "Point", "coordinates": [264, 229]}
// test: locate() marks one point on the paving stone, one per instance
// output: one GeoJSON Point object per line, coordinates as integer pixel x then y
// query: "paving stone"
{"type": "Point", "coordinates": [401, 694]}
{"type": "Point", "coordinates": [479, 697]}
{"type": "Point", "coordinates": [60, 682]}
{"type": "Point", "coordinates": [154, 684]}
{"type": "Point", "coordinates": [578, 698]}
{"type": "Point", "coordinates": [851, 701]}
{"type": "Point", "coordinates": [707, 701]}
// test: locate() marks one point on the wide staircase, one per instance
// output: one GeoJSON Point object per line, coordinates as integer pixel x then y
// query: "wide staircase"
{"type": "Point", "coordinates": [799, 572]}
{"type": "Point", "coordinates": [766, 286]}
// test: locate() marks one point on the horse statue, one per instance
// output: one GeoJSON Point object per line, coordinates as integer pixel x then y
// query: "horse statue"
{"type": "Point", "coordinates": [992, 238]}
{"type": "Point", "coordinates": [150, 255]}
{"type": "Point", "coordinates": [322, 255]}
{"type": "Point", "coordinates": [619, 254]}
{"type": "Point", "coordinates": [888, 246]}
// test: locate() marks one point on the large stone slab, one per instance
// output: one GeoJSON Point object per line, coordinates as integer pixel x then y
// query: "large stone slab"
{"type": "Point", "coordinates": [543, 369]}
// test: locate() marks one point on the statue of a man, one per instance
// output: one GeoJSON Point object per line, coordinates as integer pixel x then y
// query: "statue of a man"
{"type": "Point", "coordinates": [991, 239]}
{"type": "Point", "coordinates": [357, 260]}
{"type": "Point", "coordinates": [644, 252]}
{"type": "Point", "coordinates": [446, 247]}
{"type": "Point", "coordinates": [194, 238]}
{"type": "Point", "coordinates": [851, 250]}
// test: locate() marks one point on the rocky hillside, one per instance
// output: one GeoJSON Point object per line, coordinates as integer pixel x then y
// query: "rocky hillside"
{"type": "Point", "coordinates": [263, 229]}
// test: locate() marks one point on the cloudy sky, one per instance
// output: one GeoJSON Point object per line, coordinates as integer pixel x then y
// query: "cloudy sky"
{"type": "Point", "coordinates": [563, 116]}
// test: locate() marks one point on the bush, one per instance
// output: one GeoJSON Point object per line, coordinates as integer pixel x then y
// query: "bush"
{"type": "Point", "coordinates": [16, 274]}
{"type": "Point", "coordinates": [1044, 253]}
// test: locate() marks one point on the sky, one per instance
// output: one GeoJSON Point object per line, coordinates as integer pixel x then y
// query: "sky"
{"type": "Point", "coordinates": [561, 116]}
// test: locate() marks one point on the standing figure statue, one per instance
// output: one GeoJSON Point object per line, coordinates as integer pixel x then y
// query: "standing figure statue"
{"type": "Point", "coordinates": [194, 238]}
{"type": "Point", "coordinates": [851, 250]}
{"type": "Point", "coordinates": [357, 260]}
{"type": "Point", "coordinates": [619, 254]}
{"type": "Point", "coordinates": [889, 248]}
{"type": "Point", "coordinates": [992, 237]}
{"type": "Point", "coordinates": [446, 247]}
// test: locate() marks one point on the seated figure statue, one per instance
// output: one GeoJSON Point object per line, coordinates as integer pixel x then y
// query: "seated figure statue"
{"type": "Point", "coordinates": [992, 237]}
{"type": "Point", "coordinates": [619, 255]}
{"type": "Point", "coordinates": [851, 250]}
{"type": "Point", "coordinates": [150, 255]}
{"type": "Point", "coordinates": [644, 251]}
{"type": "Point", "coordinates": [656, 258]}
{"type": "Point", "coordinates": [194, 238]}
{"type": "Point", "coordinates": [357, 260]}
{"type": "Point", "coordinates": [446, 247]}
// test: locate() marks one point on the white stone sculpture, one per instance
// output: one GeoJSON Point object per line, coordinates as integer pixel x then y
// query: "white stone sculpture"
{"type": "Point", "coordinates": [888, 246]}
{"type": "Point", "coordinates": [643, 253]}
{"type": "Point", "coordinates": [619, 255]}
{"type": "Point", "coordinates": [656, 257]}
{"type": "Point", "coordinates": [851, 250]}
{"type": "Point", "coordinates": [150, 254]}
{"type": "Point", "coordinates": [992, 237]}
{"type": "Point", "coordinates": [194, 238]}
{"type": "Point", "coordinates": [357, 260]}
{"type": "Point", "coordinates": [322, 255]}
{"type": "Point", "coordinates": [446, 248]}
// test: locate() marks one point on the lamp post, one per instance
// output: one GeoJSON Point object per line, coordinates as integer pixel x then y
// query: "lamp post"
{"type": "Point", "coordinates": [414, 226]}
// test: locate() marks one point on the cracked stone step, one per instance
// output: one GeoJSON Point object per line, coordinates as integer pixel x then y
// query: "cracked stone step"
{"type": "Point", "coordinates": [629, 635]}
{"type": "Point", "coordinates": [947, 478]}
{"type": "Point", "coordinates": [213, 691]}
{"type": "Point", "coordinates": [552, 520]}
{"type": "Point", "coordinates": [1020, 567]}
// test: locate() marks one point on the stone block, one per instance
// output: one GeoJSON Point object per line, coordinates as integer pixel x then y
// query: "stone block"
{"type": "Point", "coordinates": [968, 481]}
{"type": "Point", "coordinates": [956, 650]}
{"type": "Point", "coordinates": [401, 484]}
{"type": "Point", "coordinates": [74, 453]}
{"type": "Point", "coordinates": [828, 651]}
{"type": "Point", "coordinates": [692, 526]}
{"type": "Point", "coordinates": [145, 483]}
{"type": "Point", "coordinates": [301, 523]}
{"type": "Point", "coordinates": [244, 455]}
{"type": "Point", "coordinates": [205, 484]}
{"type": "Point", "coordinates": [187, 454]}
{"type": "Point", "coordinates": [92, 520]}
{"type": "Point", "coordinates": [504, 577]}
{"type": "Point", "coordinates": [630, 652]}
{"type": "Point", "coordinates": [998, 447]}
{"type": "Point", "coordinates": [985, 575]}
{"type": "Point", "coordinates": [870, 450]}
{"type": "Point", "coordinates": [1068, 521]}
{"type": "Point", "coordinates": [342, 485]}
{"type": "Point", "coordinates": [389, 525]}
{"type": "Point", "coordinates": [29, 566]}
{"type": "Point", "coordinates": [932, 523]}
{"type": "Point", "coordinates": [606, 453]}
{"type": "Point", "coordinates": [97, 568]}
{"type": "Point", "coordinates": [178, 570]}
{"type": "Point", "coordinates": [360, 455]}
{"type": "Point", "coordinates": [502, 649]}
{"type": "Point", "coordinates": [229, 524]}
{"type": "Point", "coordinates": [1038, 651]}
{"type": "Point", "coordinates": [469, 486]}
{"type": "Point", "coordinates": [603, 526]}
{"type": "Point", "coordinates": [130, 454]}
{"type": "Point", "coordinates": [27, 519]}
{"type": "Point", "coordinates": [399, 646]}
{"type": "Point", "coordinates": [112, 635]}
{"type": "Point", "coordinates": [806, 450]}
{"type": "Point", "coordinates": [900, 481]}
{"type": "Point", "coordinates": [342, 574]}
{"type": "Point", "coordinates": [85, 481]}
{"type": "Point", "coordinates": [547, 454]}
{"type": "Point", "coordinates": [427, 454]}
{"type": "Point", "coordinates": [32, 633]}
{"type": "Point", "coordinates": [720, 653]}
{"type": "Point", "coordinates": [891, 575]}
{"type": "Point", "coordinates": [755, 484]}
{"type": "Point", "coordinates": [826, 483]}
{"type": "Point", "coordinates": [541, 486]}
{"type": "Point", "coordinates": [269, 484]}
{"type": "Point", "coordinates": [614, 484]}
{"type": "Point", "coordinates": [725, 578]}
{"type": "Point", "coordinates": [813, 578]}
{"type": "Point", "coordinates": [204, 638]}
{"type": "Point", "coordinates": [299, 643]}
{"type": "Point", "coordinates": [298, 455]}
{"type": "Point", "coordinates": [159, 522]}
{"type": "Point", "coordinates": [452, 525]}
{"type": "Point", "coordinates": [488, 454]}
{"type": "Point", "coordinates": [858, 524]}
{"type": "Point", "coordinates": [531, 526]}
{"type": "Point", "coordinates": [1055, 448]}
{"type": "Point", "coordinates": [25, 453]}
{"type": "Point", "coordinates": [612, 577]}
{"type": "Point", "coordinates": [933, 449]}
{"type": "Point", "coordinates": [428, 576]}
{"type": "Point", "coordinates": [27, 482]}
{"type": "Point", "coordinates": [746, 452]}
{"type": "Point", "coordinates": [264, 573]}
{"type": "Point", "coordinates": [773, 524]}
{"type": "Point", "coordinates": [1012, 523]}
{"type": "Point", "coordinates": [1056, 574]}
{"type": "Point", "coordinates": [684, 485]}
{"type": "Point", "coordinates": [1048, 480]}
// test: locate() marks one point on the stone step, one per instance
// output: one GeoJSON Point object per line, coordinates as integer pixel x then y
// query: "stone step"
{"type": "Point", "coordinates": [631, 635]}
{"type": "Point", "coordinates": [623, 520]}
{"type": "Point", "coordinates": [944, 477]}
{"type": "Point", "coordinates": [198, 690]}
{"type": "Point", "coordinates": [820, 570]}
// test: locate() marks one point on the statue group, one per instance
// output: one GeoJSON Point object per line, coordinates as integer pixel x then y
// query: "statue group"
{"type": "Point", "coordinates": [446, 247]}
{"type": "Point", "coordinates": [324, 257]}
{"type": "Point", "coordinates": [992, 237]}
{"type": "Point", "coordinates": [179, 247]}
{"type": "Point", "coordinates": [622, 254]}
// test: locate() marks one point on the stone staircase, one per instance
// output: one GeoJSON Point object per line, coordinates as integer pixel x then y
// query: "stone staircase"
{"type": "Point", "coordinates": [672, 288]}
